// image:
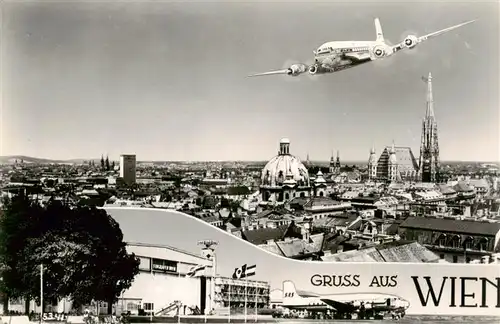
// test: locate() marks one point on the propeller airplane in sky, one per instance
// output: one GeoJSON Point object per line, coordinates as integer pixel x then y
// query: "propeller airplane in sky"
{"type": "Point", "coordinates": [340, 55]}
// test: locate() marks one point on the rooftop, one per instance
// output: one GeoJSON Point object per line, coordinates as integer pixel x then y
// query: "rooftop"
{"type": "Point", "coordinates": [398, 251]}
{"type": "Point", "coordinates": [452, 225]}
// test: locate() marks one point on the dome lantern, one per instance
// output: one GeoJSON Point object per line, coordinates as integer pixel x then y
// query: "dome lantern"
{"type": "Point", "coordinates": [284, 146]}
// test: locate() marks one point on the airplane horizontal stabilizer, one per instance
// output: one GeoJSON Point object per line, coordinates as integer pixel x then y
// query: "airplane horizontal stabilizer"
{"type": "Point", "coordinates": [306, 294]}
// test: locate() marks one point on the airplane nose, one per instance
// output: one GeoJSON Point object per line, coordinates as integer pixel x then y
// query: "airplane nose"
{"type": "Point", "coordinates": [406, 304]}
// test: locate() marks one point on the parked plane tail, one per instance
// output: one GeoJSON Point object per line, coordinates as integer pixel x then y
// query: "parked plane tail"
{"type": "Point", "coordinates": [289, 290]}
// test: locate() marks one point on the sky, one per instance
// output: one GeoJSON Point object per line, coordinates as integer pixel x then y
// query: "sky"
{"type": "Point", "coordinates": [167, 80]}
{"type": "Point", "coordinates": [183, 232]}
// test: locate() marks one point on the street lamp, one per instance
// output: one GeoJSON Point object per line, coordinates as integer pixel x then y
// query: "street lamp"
{"type": "Point", "coordinates": [41, 292]}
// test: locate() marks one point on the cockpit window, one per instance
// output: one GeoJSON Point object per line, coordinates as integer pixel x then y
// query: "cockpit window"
{"type": "Point", "coordinates": [324, 50]}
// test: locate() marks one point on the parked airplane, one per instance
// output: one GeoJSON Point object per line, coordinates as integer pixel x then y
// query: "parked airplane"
{"type": "Point", "coordinates": [344, 305]}
{"type": "Point", "coordinates": [340, 55]}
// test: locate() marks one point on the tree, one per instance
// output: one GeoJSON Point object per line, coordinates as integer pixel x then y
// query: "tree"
{"type": "Point", "coordinates": [13, 237]}
{"type": "Point", "coordinates": [82, 251]}
{"type": "Point", "coordinates": [108, 167]}
{"type": "Point", "coordinates": [102, 162]}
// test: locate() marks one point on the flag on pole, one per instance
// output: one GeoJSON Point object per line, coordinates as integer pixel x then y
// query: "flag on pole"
{"type": "Point", "coordinates": [244, 271]}
{"type": "Point", "coordinates": [196, 271]}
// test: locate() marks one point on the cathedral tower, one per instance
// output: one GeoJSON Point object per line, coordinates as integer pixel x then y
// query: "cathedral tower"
{"type": "Point", "coordinates": [429, 148]}
{"type": "Point", "coordinates": [372, 165]}
{"type": "Point", "coordinates": [331, 168]}
{"type": "Point", "coordinates": [337, 162]}
{"type": "Point", "coordinates": [393, 164]}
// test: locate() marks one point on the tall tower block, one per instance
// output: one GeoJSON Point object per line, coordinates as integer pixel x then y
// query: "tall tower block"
{"type": "Point", "coordinates": [128, 168]}
{"type": "Point", "coordinates": [429, 148]}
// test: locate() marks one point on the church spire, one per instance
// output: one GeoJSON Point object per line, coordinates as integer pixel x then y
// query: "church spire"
{"type": "Point", "coordinates": [429, 147]}
{"type": "Point", "coordinates": [429, 113]}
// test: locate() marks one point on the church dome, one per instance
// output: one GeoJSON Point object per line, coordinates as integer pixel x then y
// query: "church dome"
{"type": "Point", "coordinates": [285, 169]}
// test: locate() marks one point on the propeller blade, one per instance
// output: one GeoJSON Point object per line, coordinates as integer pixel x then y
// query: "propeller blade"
{"type": "Point", "coordinates": [285, 71]}
{"type": "Point", "coordinates": [442, 31]}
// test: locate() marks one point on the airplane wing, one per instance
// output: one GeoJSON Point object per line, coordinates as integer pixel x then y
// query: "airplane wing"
{"type": "Point", "coordinates": [293, 70]}
{"type": "Point", "coordinates": [285, 71]}
{"type": "Point", "coordinates": [357, 56]}
{"type": "Point", "coordinates": [411, 41]}
{"type": "Point", "coordinates": [442, 31]}
{"type": "Point", "coordinates": [339, 306]}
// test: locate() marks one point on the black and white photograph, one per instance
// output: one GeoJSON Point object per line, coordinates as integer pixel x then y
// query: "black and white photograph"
{"type": "Point", "coordinates": [209, 276]}
{"type": "Point", "coordinates": [141, 141]}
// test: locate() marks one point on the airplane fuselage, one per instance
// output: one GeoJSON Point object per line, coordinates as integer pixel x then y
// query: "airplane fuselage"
{"type": "Point", "coordinates": [373, 301]}
{"type": "Point", "coordinates": [340, 55]}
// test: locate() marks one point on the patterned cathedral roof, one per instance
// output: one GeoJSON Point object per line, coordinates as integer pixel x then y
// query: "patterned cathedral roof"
{"type": "Point", "coordinates": [404, 156]}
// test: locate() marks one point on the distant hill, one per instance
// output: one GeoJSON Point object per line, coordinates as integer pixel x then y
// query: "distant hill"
{"type": "Point", "coordinates": [26, 159]}
{"type": "Point", "coordinates": [11, 159]}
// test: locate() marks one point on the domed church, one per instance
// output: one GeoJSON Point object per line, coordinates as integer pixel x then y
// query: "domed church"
{"type": "Point", "coordinates": [284, 177]}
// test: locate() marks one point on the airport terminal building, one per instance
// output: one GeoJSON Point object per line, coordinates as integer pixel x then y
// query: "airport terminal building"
{"type": "Point", "coordinates": [162, 287]}
{"type": "Point", "coordinates": [162, 281]}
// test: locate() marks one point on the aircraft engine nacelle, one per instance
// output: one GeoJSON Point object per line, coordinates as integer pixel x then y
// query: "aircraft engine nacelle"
{"type": "Point", "coordinates": [313, 69]}
{"type": "Point", "coordinates": [380, 51]}
{"type": "Point", "coordinates": [319, 68]}
{"type": "Point", "coordinates": [296, 69]}
{"type": "Point", "coordinates": [410, 41]}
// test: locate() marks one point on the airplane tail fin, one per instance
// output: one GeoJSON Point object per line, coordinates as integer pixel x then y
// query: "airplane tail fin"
{"type": "Point", "coordinates": [289, 290]}
{"type": "Point", "coordinates": [378, 30]}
